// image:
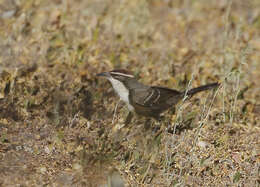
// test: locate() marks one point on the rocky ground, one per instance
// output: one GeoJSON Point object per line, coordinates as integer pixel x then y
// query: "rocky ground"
{"type": "Point", "coordinates": [56, 116]}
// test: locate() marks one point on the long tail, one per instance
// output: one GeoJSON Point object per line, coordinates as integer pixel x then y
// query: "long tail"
{"type": "Point", "coordinates": [202, 88]}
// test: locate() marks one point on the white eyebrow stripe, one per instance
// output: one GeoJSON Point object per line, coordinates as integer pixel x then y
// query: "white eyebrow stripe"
{"type": "Point", "coordinates": [122, 74]}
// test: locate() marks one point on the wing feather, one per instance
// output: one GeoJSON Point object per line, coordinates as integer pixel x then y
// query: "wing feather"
{"type": "Point", "coordinates": [155, 97]}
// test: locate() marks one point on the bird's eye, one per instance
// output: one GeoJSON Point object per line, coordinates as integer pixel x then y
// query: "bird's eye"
{"type": "Point", "coordinates": [118, 77]}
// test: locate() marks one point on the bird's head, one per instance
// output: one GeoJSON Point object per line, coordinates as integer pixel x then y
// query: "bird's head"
{"type": "Point", "coordinates": [121, 75]}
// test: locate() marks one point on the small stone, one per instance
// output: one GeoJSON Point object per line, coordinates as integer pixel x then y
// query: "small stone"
{"type": "Point", "coordinates": [76, 166]}
{"type": "Point", "coordinates": [42, 170]}
{"type": "Point", "coordinates": [47, 150]}
{"type": "Point", "coordinates": [203, 144]}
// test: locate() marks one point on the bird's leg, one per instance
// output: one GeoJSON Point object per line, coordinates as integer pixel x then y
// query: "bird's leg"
{"type": "Point", "coordinates": [148, 123]}
{"type": "Point", "coordinates": [160, 119]}
{"type": "Point", "coordinates": [114, 115]}
{"type": "Point", "coordinates": [129, 118]}
{"type": "Point", "coordinates": [154, 125]}
{"type": "Point", "coordinates": [158, 125]}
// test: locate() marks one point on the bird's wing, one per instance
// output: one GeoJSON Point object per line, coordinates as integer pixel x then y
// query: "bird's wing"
{"type": "Point", "coordinates": [154, 97]}
{"type": "Point", "coordinates": [140, 95]}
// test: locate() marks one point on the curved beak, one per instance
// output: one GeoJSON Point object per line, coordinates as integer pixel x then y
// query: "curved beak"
{"type": "Point", "coordinates": [103, 74]}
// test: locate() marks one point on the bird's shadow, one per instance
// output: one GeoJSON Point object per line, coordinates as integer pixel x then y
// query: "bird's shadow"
{"type": "Point", "coordinates": [176, 128]}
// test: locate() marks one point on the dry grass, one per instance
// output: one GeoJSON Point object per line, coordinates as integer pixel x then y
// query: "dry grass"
{"type": "Point", "coordinates": [56, 116]}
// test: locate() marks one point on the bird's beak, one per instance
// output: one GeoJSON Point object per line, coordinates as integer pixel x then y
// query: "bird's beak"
{"type": "Point", "coordinates": [103, 74]}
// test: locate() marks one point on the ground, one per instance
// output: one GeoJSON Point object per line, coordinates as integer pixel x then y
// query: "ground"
{"type": "Point", "coordinates": [56, 116]}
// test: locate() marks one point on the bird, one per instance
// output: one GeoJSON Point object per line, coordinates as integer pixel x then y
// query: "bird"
{"type": "Point", "coordinates": [145, 100]}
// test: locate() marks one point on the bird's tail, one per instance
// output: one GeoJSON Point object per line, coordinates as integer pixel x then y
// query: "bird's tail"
{"type": "Point", "coordinates": [202, 88]}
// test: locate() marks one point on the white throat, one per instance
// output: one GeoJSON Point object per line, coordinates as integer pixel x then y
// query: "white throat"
{"type": "Point", "coordinates": [121, 91]}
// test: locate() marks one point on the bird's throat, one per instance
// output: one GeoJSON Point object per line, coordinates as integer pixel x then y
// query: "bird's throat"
{"type": "Point", "coordinates": [121, 91]}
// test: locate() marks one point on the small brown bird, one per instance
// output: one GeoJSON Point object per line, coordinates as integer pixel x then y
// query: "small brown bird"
{"type": "Point", "coordinates": [145, 100]}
